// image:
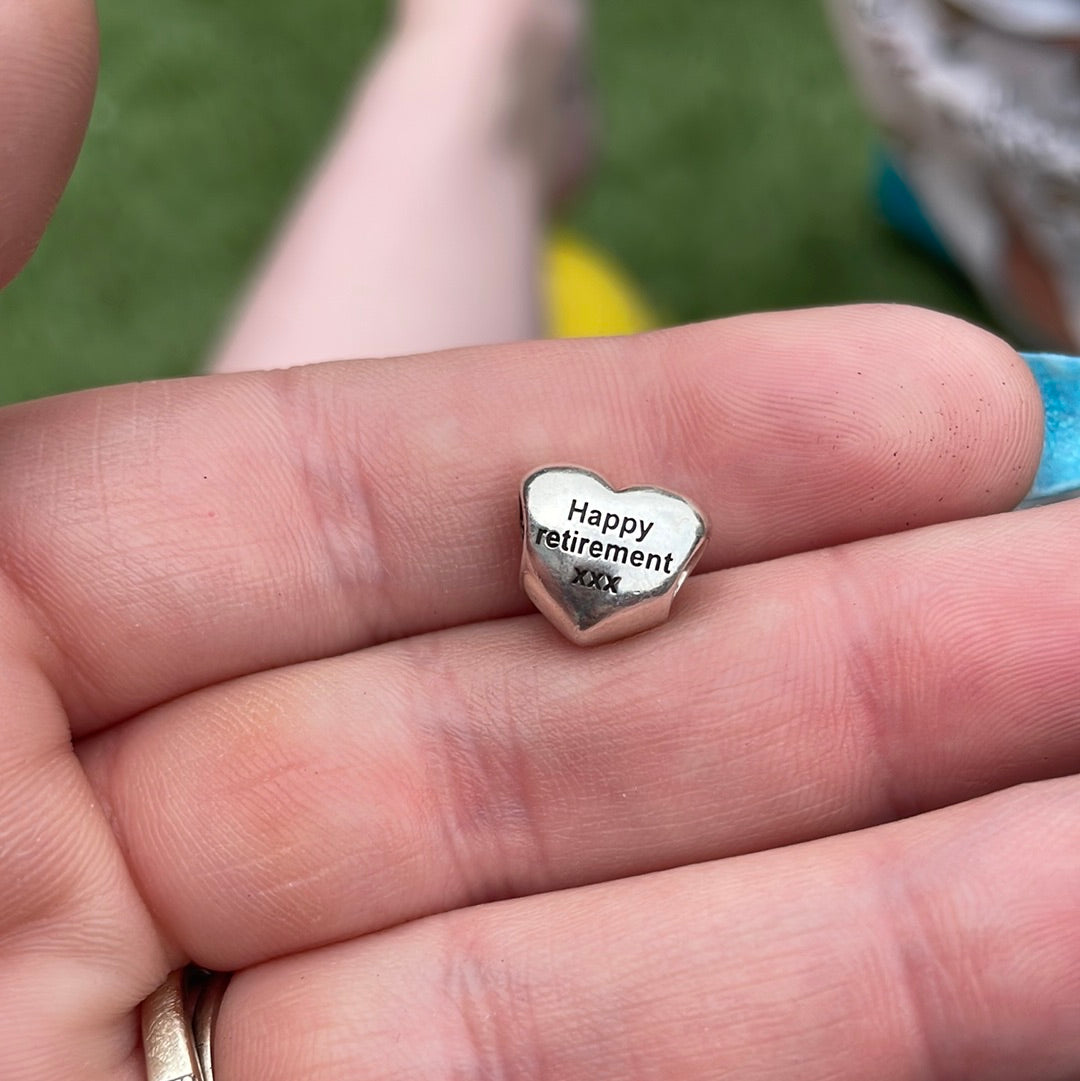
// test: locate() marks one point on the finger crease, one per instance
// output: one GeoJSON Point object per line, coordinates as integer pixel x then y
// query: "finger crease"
{"type": "Point", "coordinates": [338, 489]}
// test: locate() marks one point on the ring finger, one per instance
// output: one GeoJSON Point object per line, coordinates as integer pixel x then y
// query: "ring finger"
{"type": "Point", "coordinates": [943, 946]}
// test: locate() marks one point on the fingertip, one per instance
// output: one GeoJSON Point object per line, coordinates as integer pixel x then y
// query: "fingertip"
{"type": "Point", "coordinates": [916, 416]}
{"type": "Point", "coordinates": [995, 396]}
{"type": "Point", "coordinates": [48, 72]}
{"type": "Point", "coordinates": [965, 408]}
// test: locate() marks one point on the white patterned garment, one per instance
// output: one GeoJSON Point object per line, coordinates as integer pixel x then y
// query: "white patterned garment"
{"type": "Point", "coordinates": [979, 104]}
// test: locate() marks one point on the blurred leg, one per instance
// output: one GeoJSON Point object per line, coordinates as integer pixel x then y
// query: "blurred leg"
{"type": "Point", "coordinates": [420, 229]}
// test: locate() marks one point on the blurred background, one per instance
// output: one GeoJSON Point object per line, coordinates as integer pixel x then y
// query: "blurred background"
{"type": "Point", "coordinates": [733, 174]}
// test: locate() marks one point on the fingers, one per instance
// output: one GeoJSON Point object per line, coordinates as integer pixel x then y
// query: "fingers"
{"type": "Point", "coordinates": [48, 69]}
{"type": "Point", "coordinates": [939, 947]}
{"type": "Point", "coordinates": [77, 948]}
{"type": "Point", "coordinates": [174, 535]}
{"type": "Point", "coordinates": [814, 695]}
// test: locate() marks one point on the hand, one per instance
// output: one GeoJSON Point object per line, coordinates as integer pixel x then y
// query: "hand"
{"type": "Point", "coordinates": [273, 702]}
{"type": "Point", "coordinates": [279, 614]}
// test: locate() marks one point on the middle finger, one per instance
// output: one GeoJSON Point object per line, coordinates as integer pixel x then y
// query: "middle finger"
{"type": "Point", "coordinates": [812, 695]}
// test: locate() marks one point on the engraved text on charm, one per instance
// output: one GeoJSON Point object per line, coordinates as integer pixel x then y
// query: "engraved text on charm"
{"type": "Point", "coordinates": [603, 564]}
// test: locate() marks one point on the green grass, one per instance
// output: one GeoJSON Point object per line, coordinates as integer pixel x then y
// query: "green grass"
{"type": "Point", "coordinates": [732, 177]}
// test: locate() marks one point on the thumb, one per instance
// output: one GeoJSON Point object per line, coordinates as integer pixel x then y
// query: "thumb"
{"type": "Point", "coordinates": [48, 69]}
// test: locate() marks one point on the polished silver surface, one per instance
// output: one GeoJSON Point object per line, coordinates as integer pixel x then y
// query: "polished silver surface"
{"type": "Point", "coordinates": [603, 564]}
{"type": "Point", "coordinates": [204, 1019]}
{"type": "Point", "coordinates": [168, 1043]}
{"type": "Point", "coordinates": [178, 1022]}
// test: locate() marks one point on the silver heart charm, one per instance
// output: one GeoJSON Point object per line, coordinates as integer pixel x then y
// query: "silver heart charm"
{"type": "Point", "coordinates": [604, 564]}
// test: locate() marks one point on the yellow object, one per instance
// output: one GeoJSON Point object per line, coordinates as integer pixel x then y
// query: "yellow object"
{"type": "Point", "coordinates": [588, 295]}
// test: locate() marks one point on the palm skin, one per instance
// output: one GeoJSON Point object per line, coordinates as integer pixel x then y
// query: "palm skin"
{"type": "Point", "coordinates": [273, 702]}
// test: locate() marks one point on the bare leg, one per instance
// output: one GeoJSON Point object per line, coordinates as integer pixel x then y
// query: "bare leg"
{"type": "Point", "coordinates": [420, 230]}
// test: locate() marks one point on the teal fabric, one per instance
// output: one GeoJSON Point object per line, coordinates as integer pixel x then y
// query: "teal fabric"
{"type": "Point", "coordinates": [902, 210]}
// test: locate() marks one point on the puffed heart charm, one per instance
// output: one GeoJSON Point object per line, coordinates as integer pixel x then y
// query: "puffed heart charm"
{"type": "Point", "coordinates": [603, 564]}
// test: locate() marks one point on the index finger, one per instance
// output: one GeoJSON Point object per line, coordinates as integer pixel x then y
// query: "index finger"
{"type": "Point", "coordinates": [174, 535]}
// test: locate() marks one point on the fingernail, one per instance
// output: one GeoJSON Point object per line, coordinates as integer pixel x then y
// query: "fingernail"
{"type": "Point", "coordinates": [1059, 470]}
